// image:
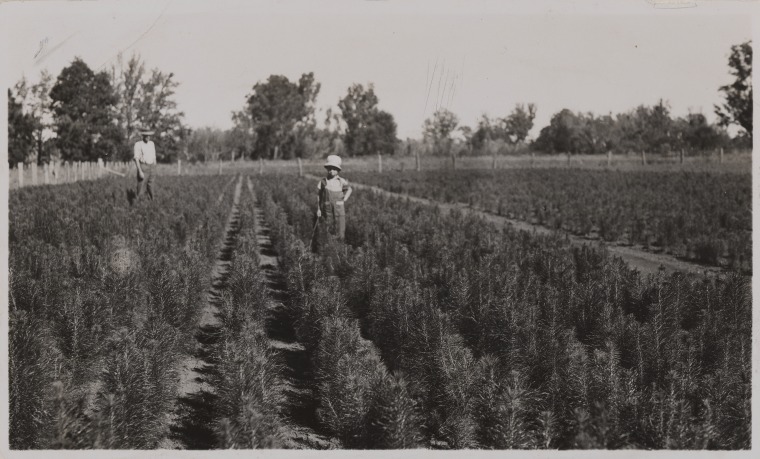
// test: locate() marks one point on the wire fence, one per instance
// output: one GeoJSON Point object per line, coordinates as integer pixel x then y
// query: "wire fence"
{"type": "Point", "coordinates": [55, 173]}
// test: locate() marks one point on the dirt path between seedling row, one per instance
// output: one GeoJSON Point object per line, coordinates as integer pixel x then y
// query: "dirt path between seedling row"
{"type": "Point", "coordinates": [645, 262]}
{"type": "Point", "coordinates": [191, 426]}
{"type": "Point", "coordinates": [299, 410]}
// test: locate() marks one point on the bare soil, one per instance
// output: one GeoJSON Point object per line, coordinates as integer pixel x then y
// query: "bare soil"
{"type": "Point", "coordinates": [302, 430]}
{"type": "Point", "coordinates": [192, 420]}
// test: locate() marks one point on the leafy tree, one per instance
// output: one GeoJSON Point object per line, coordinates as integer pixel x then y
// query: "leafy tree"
{"type": "Point", "coordinates": [278, 109]}
{"type": "Point", "coordinates": [126, 79]}
{"type": "Point", "coordinates": [519, 123]}
{"type": "Point", "coordinates": [467, 133]}
{"type": "Point", "coordinates": [206, 144]}
{"type": "Point", "coordinates": [438, 130]}
{"type": "Point", "coordinates": [488, 130]}
{"type": "Point", "coordinates": [657, 127]}
{"type": "Point", "coordinates": [567, 132]}
{"type": "Point", "coordinates": [83, 103]}
{"type": "Point", "coordinates": [696, 133]}
{"type": "Point", "coordinates": [145, 100]}
{"type": "Point", "coordinates": [36, 102]}
{"type": "Point", "coordinates": [332, 137]}
{"type": "Point", "coordinates": [157, 110]}
{"type": "Point", "coordinates": [603, 134]}
{"type": "Point", "coordinates": [737, 109]}
{"type": "Point", "coordinates": [513, 129]}
{"type": "Point", "coordinates": [482, 135]}
{"type": "Point", "coordinates": [368, 129]}
{"type": "Point", "coordinates": [241, 139]}
{"type": "Point", "coordinates": [21, 127]}
{"type": "Point", "coordinates": [647, 128]}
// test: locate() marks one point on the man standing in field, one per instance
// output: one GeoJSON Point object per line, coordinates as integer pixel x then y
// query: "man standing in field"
{"type": "Point", "coordinates": [333, 193]}
{"type": "Point", "coordinates": [145, 160]}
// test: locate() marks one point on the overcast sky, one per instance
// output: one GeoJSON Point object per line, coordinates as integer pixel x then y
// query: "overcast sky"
{"type": "Point", "coordinates": [471, 58]}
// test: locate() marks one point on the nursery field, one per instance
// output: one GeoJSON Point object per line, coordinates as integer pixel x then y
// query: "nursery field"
{"type": "Point", "coordinates": [423, 329]}
{"type": "Point", "coordinates": [103, 302]}
{"type": "Point", "coordinates": [696, 216]}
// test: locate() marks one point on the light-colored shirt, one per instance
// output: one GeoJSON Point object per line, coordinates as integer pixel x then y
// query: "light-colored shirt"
{"type": "Point", "coordinates": [145, 152]}
{"type": "Point", "coordinates": [336, 183]}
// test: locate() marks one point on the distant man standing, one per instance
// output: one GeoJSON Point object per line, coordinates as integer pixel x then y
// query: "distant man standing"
{"type": "Point", "coordinates": [145, 160]}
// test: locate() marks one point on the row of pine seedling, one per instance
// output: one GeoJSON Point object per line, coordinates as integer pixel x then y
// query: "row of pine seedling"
{"type": "Point", "coordinates": [509, 340]}
{"type": "Point", "coordinates": [105, 299]}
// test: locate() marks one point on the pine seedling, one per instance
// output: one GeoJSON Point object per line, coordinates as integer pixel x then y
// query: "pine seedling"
{"type": "Point", "coordinates": [393, 420]}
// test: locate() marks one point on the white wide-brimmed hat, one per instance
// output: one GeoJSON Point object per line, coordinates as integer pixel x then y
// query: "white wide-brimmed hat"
{"type": "Point", "coordinates": [333, 161]}
{"type": "Point", "coordinates": [146, 132]}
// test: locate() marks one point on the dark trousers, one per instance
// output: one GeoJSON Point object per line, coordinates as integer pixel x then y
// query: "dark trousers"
{"type": "Point", "coordinates": [147, 179]}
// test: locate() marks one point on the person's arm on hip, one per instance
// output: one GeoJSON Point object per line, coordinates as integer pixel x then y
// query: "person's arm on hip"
{"type": "Point", "coordinates": [346, 190]}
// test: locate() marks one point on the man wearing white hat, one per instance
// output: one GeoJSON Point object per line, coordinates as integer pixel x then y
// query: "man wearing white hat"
{"type": "Point", "coordinates": [334, 191]}
{"type": "Point", "coordinates": [145, 159]}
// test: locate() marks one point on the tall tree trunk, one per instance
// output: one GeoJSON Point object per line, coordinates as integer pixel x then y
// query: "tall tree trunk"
{"type": "Point", "coordinates": [39, 147]}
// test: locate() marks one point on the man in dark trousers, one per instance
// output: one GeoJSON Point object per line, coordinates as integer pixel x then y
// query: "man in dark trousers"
{"type": "Point", "coordinates": [145, 161]}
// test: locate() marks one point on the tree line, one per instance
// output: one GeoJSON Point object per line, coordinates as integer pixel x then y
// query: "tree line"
{"type": "Point", "coordinates": [84, 115]}
{"type": "Point", "coordinates": [653, 129]}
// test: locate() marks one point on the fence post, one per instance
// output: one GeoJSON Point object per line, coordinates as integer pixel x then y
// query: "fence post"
{"type": "Point", "coordinates": [34, 173]}
{"type": "Point", "coordinates": [261, 165]}
{"type": "Point", "coordinates": [609, 158]}
{"type": "Point", "coordinates": [568, 159]}
{"type": "Point", "coordinates": [179, 167]}
{"type": "Point", "coordinates": [20, 174]}
{"type": "Point", "coordinates": [417, 160]}
{"type": "Point", "coordinates": [45, 170]}
{"type": "Point", "coordinates": [721, 155]}
{"type": "Point", "coordinates": [300, 168]}
{"type": "Point", "coordinates": [379, 163]}
{"type": "Point", "coordinates": [643, 158]}
{"type": "Point", "coordinates": [220, 167]}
